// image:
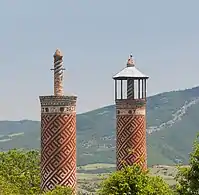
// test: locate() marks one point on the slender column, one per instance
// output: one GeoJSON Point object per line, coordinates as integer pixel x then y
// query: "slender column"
{"type": "Point", "coordinates": [121, 90]}
{"type": "Point", "coordinates": [115, 89]}
{"type": "Point", "coordinates": [145, 88]}
{"type": "Point", "coordinates": [142, 88]}
{"type": "Point", "coordinates": [138, 88]}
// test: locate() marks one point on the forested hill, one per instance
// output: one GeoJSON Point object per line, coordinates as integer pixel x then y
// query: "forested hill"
{"type": "Point", "coordinates": [172, 124]}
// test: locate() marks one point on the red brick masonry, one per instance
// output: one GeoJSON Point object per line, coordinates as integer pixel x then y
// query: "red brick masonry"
{"type": "Point", "coordinates": [131, 133]}
{"type": "Point", "coordinates": [58, 142]}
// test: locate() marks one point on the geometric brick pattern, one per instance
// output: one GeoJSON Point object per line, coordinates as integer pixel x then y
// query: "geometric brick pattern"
{"type": "Point", "coordinates": [131, 140]}
{"type": "Point", "coordinates": [58, 150]}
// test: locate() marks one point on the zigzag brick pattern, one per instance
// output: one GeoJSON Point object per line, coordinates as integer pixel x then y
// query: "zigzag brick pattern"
{"type": "Point", "coordinates": [131, 141]}
{"type": "Point", "coordinates": [58, 150]}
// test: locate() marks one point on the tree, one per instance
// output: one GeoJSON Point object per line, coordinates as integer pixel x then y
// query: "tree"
{"type": "Point", "coordinates": [60, 190]}
{"type": "Point", "coordinates": [132, 180]}
{"type": "Point", "coordinates": [20, 174]}
{"type": "Point", "coordinates": [21, 169]}
{"type": "Point", "coordinates": [7, 188]}
{"type": "Point", "coordinates": [188, 177]}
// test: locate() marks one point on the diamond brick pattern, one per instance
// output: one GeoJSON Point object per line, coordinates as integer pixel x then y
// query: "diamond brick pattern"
{"type": "Point", "coordinates": [58, 150]}
{"type": "Point", "coordinates": [131, 141]}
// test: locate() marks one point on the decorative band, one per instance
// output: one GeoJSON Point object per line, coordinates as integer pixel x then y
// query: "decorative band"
{"type": "Point", "coordinates": [130, 103]}
{"type": "Point", "coordinates": [58, 109]}
{"type": "Point", "coordinates": [133, 112]}
{"type": "Point", "coordinates": [58, 100]}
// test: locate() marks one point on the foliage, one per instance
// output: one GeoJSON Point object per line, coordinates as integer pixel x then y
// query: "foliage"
{"type": "Point", "coordinates": [7, 188]}
{"type": "Point", "coordinates": [21, 169]}
{"type": "Point", "coordinates": [20, 174]}
{"type": "Point", "coordinates": [188, 177]}
{"type": "Point", "coordinates": [132, 180]}
{"type": "Point", "coordinates": [59, 190]}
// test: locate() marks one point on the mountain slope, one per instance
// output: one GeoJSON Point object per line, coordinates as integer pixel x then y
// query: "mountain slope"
{"type": "Point", "coordinates": [171, 128]}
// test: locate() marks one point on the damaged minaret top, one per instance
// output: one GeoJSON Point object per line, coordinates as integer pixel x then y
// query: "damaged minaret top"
{"type": "Point", "coordinates": [58, 73]}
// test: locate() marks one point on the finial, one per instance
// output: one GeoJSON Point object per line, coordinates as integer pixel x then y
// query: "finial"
{"type": "Point", "coordinates": [130, 61]}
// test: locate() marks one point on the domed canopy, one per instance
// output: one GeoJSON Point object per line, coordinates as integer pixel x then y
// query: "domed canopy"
{"type": "Point", "coordinates": [130, 71]}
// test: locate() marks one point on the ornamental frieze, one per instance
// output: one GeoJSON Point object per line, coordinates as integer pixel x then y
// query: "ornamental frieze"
{"type": "Point", "coordinates": [58, 109]}
{"type": "Point", "coordinates": [133, 112]}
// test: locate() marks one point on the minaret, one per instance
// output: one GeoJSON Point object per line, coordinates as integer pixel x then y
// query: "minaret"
{"type": "Point", "coordinates": [130, 99]}
{"type": "Point", "coordinates": [58, 134]}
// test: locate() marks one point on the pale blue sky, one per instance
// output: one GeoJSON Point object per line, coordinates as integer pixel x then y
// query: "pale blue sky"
{"type": "Point", "coordinates": [96, 38]}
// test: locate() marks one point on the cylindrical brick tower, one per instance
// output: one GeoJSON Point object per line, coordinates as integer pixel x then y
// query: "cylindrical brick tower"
{"type": "Point", "coordinates": [130, 99]}
{"type": "Point", "coordinates": [58, 134]}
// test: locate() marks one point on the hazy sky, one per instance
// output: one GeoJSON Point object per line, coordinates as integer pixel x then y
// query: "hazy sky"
{"type": "Point", "coordinates": [96, 38]}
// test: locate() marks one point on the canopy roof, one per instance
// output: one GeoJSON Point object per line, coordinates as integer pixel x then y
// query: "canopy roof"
{"type": "Point", "coordinates": [130, 71]}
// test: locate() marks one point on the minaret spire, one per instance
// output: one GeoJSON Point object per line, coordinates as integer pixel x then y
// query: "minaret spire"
{"type": "Point", "coordinates": [58, 73]}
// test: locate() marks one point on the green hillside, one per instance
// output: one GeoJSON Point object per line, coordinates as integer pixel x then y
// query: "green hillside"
{"type": "Point", "coordinates": [171, 125]}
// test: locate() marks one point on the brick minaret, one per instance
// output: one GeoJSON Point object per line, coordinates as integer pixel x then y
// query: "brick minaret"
{"type": "Point", "coordinates": [130, 99]}
{"type": "Point", "coordinates": [58, 134]}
